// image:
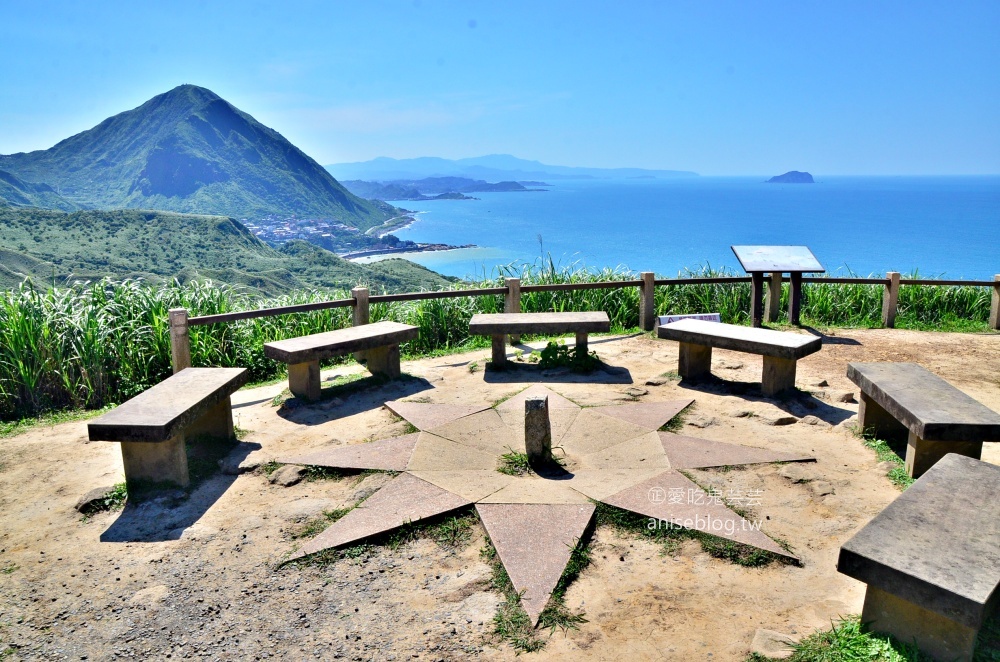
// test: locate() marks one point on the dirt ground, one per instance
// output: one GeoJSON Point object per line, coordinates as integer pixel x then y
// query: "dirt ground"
{"type": "Point", "coordinates": [169, 580]}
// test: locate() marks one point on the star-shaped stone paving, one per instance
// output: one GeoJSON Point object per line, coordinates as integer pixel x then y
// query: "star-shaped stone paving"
{"type": "Point", "coordinates": [613, 454]}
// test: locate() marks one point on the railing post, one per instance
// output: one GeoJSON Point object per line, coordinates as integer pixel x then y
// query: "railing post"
{"type": "Point", "coordinates": [647, 301]}
{"type": "Point", "coordinates": [995, 304]}
{"type": "Point", "coordinates": [889, 299]}
{"type": "Point", "coordinates": [180, 341]}
{"type": "Point", "coordinates": [772, 297]}
{"type": "Point", "coordinates": [361, 314]}
{"type": "Point", "coordinates": [512, 303]}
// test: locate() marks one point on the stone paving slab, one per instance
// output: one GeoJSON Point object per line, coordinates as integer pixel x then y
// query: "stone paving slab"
{"type": "Point", "coordinates": [405, 499]}
{"type": "Point", "coordinates": [426, 416]}
{"type": "Point", "coordinates": [556, 401]}
{"type": "Point", "coordinates": [692, 453]}
{"type": "Point", "coordinates": [652, 498]}
{"type": "Point", "coordinates": [473, 485]}
{"type": "Point", "coordinates": [651, 415]}
{"type": "Point", "coordinates": [534, 542]}
{"type": "Point", "coordinates": [435, 453]}
{"type": "Point", "coordinates": [640, 452]}
{"type": "Point", "coordinates": [484, 431]}
{"type": "Point", "coordinates": [592, 432]}
{"type": "Point", "coordinates": [387, 454]}
{"type": "Point", "coordinates": [532, 489]}
{"type": "Point", "coordinates": [600, 483]}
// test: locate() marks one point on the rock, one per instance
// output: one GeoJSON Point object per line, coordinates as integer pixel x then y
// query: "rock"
{"type": "Point", "coordinates": [843, 396]}
{"type": "Point", "coordinates": [635, 392]}
{"type": "Point", "coordinates": [771, 644]}
{"type": "Point", "coordinates": [150, 597]}
{"type": "Point", "coordinates": [820, 488]}
{"type": "Point", "coordinates": [702, 421]}
{"type": "Point", "coordinates": [886, 466]}
{"type": "Point", "coordinates": [796, 473]}
{"type": "Point", "coordinates": [657, 381]}
{"type": "Point", "coordinates": [743, 413]}
{"type": "Point", "coordinates": [821, 383]}
{"type": "Point", "coordinates": [779, 420]}
{"type": "Point", "coordinates": [726, 365]}
{"type": "Point", "coordinates": [288, 475]}
{"type": "Point", "coordinates": [813, 420]}
{"type": "Point", "coordinates": [92, 499]}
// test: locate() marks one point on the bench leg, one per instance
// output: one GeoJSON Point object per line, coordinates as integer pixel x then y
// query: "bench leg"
{"type": "Point", "coordinates": [938, 636]}
{"type": "Point", "coordinates": [217, 423]}
{"type": "Point", "coordinates": [874, 419]}
{"type": "Point", "coordinates": [921, 454]}
{"type": "Point", "coordinates": [384, 361]}
{"type": "Point", "coordinates": [303, 380]}
{"type": "Point", "coordinates": [156, 462]}
{"type": "Point", "coordinates": [499, 352]}
{"type": "Point", "coordinates": [581, 341]}
{"type": "Point", "coordinates": [693, 360]}
{"type": "Point", "coordinates": [779, 375]}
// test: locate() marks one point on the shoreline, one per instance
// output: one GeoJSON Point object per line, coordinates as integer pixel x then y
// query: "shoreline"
{"type": "Point", "coordinates": [419, 248]}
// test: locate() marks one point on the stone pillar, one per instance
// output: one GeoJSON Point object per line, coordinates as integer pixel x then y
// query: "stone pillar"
{"type": "Point", "coordinates": [921, 454]}
{"type": "Point", "coordinates": [889, 298]}
{"type": "Point", "coordinates": [995, 304]}
{"type": "Point", "coordinates": [756, 298]}
{"type": "Point", "coordinates": [693, 360]}
{"type": "Point", "coordinates": [155, 462]}
{"type": "Point", "coordinates": [512, 303]}
{"type": "Point", "coordinates": [779, 375]}
{"type": "Point", "coordinates": [647, 301]}
{"type": "Point", "coordinates": [361, 314]}
{"type": "Point", "coordinates": [180, 341]}
{"type": "Point", "coordinates": [303, 380]}
{"type": "Point", "coordinates": [794, 297]}
{"type": "Point", "coordinates": [216, 423]}
{"type": "Point", "coordinates": [384, 361]}
{"type": "Point", "coordinates": [773, 297]}
{"type": "Point", "coordinates": [537, 431]}
{"type": "Point", "coordinates": [499, 352]}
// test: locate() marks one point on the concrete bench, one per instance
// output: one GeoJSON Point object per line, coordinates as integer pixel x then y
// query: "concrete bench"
{"type": "Point", "coordinates": [780, 349]}
{"type": "Point", "coordinates": [939, 419]}
{"type": "Point", "coordinates": [380, 342]}
{"type": "Point", "coordinates": [153, 425]}
{"type": "Point", "coordinates": [931, 559]}
{"type": "Point", "coordinates": [500, 324]}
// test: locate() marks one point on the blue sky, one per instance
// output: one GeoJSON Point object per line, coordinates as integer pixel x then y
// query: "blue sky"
{"type": "Point", "coordinates": [721, 88]}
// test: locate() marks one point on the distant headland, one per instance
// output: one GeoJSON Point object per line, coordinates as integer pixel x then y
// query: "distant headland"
{"type": "Point", "coordinates": [792, 177]}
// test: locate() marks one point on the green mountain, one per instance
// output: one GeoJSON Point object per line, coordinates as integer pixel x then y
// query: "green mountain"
{"type": "Point", "coordinates": [20, 193]}
{"type": "Point", "coordinates": [52, 246]}
{"type": "Point", "coordinates": [189, 150]}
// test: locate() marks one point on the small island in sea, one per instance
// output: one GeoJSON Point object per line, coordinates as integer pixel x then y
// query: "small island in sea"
{"type": "Point", "coordinates": [792, 177]}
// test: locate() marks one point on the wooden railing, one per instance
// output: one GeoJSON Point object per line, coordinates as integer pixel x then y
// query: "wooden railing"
{"type": "Point", "coordinates": [360, 301]}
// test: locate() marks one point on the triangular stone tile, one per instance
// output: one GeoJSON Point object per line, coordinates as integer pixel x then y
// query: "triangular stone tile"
{"type": "Point", "coordinates": [600, 483]}
{"type": "Point", "coordinates": [693, 453]}
{"type": "Point", "coordinates": [649, 415]}
{"type": "Point", "coordinates": [473, 485]}
{"type": "Point", "coordinates": [405, 499]}
{"type": "Point", "coordinates": [426, 416]}
{"type": "Point", "coordinates": [635, 454]}
{"type": "Point", "coordinates": [484, 431]}
{"type": "Point", "coordinates": [591, 432]}
{"type": "Point", "coordinates": [387, 454]}
{"type": "Point", "coordinates": [671, 497]}
{"type": "Point", "coordinates": [435, 453]}
{"type": "Point", "coordinates": [556, 401]}
{"type": "Point", "coordinates": [532, 489]}
{"type": "Point", "coordinates": [534, 542]}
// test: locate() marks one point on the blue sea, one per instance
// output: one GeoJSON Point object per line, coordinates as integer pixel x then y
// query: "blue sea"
{"type": "Point", "coordinates": [942, 226]}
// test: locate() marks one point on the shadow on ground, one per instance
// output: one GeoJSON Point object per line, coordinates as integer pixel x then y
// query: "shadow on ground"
{"type": "Point", "coordinates": [354, 397]}
{"type": "Point", "coordinates": [519, 373]}
{"type": "Point", "coordinates": [795, 402]}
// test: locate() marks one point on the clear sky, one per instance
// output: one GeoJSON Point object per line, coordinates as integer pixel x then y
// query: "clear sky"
{"type": "Point", "coordinates": [721, 88]}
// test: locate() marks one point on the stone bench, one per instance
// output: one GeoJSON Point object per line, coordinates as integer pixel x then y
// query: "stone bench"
{"type": "Point", "coordinates": [931, 559]}
{"type": "Point", "coordinates": [500, 324]}
{"type": "Point", "coordinates": [380, 342]}
{"type": "Point", "coordinates": [939, 419]}
{"type": "Point", "coordinates": [153, 425]}
{"type": "Point", "coordinates": [780, 349]}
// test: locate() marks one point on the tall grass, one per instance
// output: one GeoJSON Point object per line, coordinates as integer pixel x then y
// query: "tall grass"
{"type": "Point", "coordinates": [90, 345]}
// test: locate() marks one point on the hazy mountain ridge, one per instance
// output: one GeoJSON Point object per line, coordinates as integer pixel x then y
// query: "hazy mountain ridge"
{"type": "Point", "coordinates": [189, 150]}
{"type": "Point", "coordinates": [429, 188]}
{"type": "Point", "coordinates": [17, 192]}
{"type": "Point", "coordinates": [491, 167]}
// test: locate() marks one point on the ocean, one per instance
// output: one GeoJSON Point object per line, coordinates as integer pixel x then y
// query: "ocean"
{"type": "Point", "coordinates": [942, 226]}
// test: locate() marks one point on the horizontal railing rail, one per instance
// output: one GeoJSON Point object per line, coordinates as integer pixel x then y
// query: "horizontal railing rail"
{"type": "Point", "coordinates": [270, 312]}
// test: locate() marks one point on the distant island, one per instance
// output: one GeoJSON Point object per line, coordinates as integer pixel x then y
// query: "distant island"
{"type": "Point", "coordinates": [432, 188]}
{"type": "Point", "coordinates": [792, 177]}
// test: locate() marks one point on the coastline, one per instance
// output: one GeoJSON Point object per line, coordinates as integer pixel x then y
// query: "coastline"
{"type": "Point", "coordinates": [419, 248]}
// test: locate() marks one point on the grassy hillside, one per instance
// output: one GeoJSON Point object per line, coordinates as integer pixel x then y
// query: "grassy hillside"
{"type": "Point", "coordinates": [51, 247]}
{"type": "Point", "coordinates": [20, 193]}
{"type": "Point", "coordinates": [188, 150]}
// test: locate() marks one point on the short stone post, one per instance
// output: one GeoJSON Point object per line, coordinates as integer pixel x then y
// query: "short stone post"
{"type": "Point", "coordinates": [647, 301]}
{"type": "Point", "coordinates": [180, 341]}
{"type": "Point", "coordinates": [537, 431]}
{"type": "Point", "coordinates": [361, 314]}
{"type": "Point", "coordinates": [889, 299]}
{"type": "Point", "coordinates": [772, 298]}
{"type": "Point", "coordinates": [995, 304]}
{"type": "Point", "coordinates": [512, 303]}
